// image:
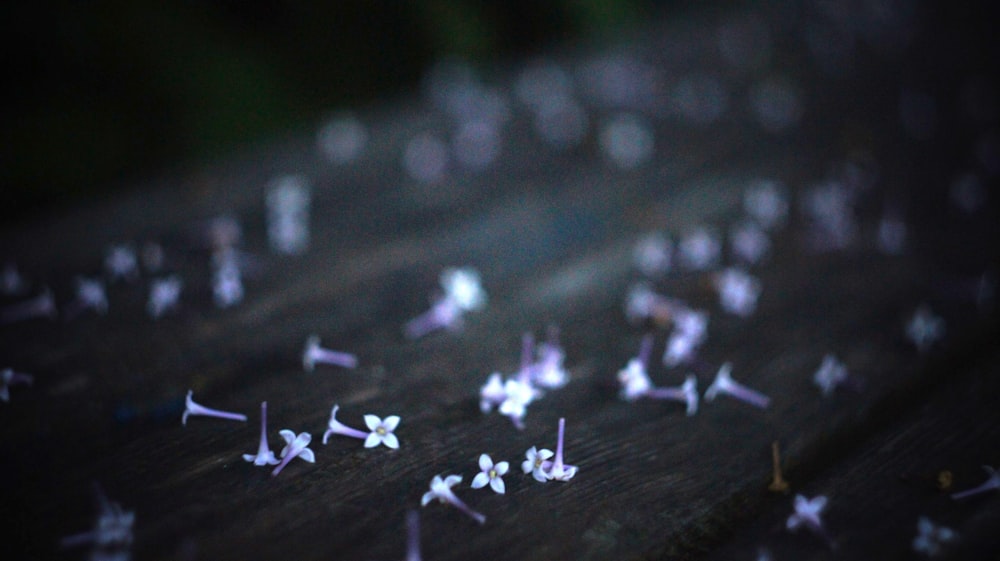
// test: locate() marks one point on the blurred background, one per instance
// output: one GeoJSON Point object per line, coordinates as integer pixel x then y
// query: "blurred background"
{"type": "Point", "coordinates": [105, 93]}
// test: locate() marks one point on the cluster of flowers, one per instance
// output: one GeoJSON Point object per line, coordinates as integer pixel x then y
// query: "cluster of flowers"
{"type": "Point", "coordinates": [930, 537]}
{"type": "Point", "coordinates": [636, 383]}
{"type": "Point", "coordinates": [380, 431]}
{"type": "Point", "coordinates": [546, 372]}
{"type": "Point", "coordinates": [543, 465]}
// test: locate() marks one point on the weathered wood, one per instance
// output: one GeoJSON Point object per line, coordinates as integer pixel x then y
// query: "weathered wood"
{"type": "Point", "coordinates": [552, 234]}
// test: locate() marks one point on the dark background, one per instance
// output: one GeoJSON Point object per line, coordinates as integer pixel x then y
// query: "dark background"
{"type": "Point", "coordinates": [107, 93]}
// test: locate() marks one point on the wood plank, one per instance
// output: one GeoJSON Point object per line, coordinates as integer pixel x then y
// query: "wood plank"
{"type": "Point", "coordinates": [552, 235]}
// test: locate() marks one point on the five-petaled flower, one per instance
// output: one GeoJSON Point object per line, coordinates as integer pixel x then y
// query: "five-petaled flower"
{"type": "Point", "coordinates": [490, 473]}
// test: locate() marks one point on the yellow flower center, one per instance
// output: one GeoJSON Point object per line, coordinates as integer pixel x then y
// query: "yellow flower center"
{"type": "Point", "coordinates": [380, 431]}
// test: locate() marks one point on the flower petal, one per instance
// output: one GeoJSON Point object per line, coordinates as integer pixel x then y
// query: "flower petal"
{"type": "Point", "coordinates": [391, 422]}
{"type": "Point", "coordinates": [288, 435]}
{"type": "Point", "coordinates": [501, 468]}
{"type": "Point", "coordinates": [249, 457]}
{"type": "Point", "coordinates": [428, 497]}
{"type": "Point", "coordinates": [452, 480]}
{"type": "Point", "coordinates": [373, 440]}
{"type": "Point", "coordinates": [545, 453]}
{"type": "Point", "coordinates": [485, 462]}
{"type": "Point", "coordinates": [390, 440]}
{"type": "Point", "coordinates": [497, 485]}
{"type": "Point", "coordinates": [480, 480]}
{"type": "Point", "coordinates": [527, 465]}
{"type": "Point", "coordinates": [372, 422]}
{"type": "Point", "coordinates": [307, 455]}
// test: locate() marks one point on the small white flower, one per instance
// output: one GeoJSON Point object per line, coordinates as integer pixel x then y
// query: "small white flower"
{"type": "Point", "coordinates": [699, 250]}
{"type": "Point", "coordinates": [441, 490]}
{"type": "Point", "coordinates": [121, 263]}
{"type": "Point", "coordinates": [549, 371]}
{"type": "Point", "coordinates": [690, 331]}
{"type": "Point", "coordinates": [749, 242]}
{"type": "Point", "coordinates": [831, 373]}
{"type": "Point", "coordinates": [558, 470]}
{"type": "Point", "coordinates": [738, 291]}
{"type": "Point", "coordinates": [227, 279]}
{"type": "Point", "coordinates": [381, 431]}
{"type": "Point", "coordinates": [767, 203]}
{"type": "Point", "coordinates": [652, 253]}
{"type": "Point", "coordinates": [463, 292]}
{"type": "Point", "coordinates": [288, 201]}
{"type": "Point", "coordinates": [463, 287]}
{"type": "Point", "coordinates": [518, 396]}
{"type": "Point", "coordinates": [930, 537]}
{"type": "Point", "coordinates": [634, 380]}
{"type": "Point", "coordinates": [164, 295]}
{"type": "Point", "coordinates": [264, 455]}
{"type": "Point", "coordinates": [724, 384]}
{"type": "Point", "coordinates": [490, 473]}
{"type": "Point", "coordinates": [90, 294]}
{"type": "Point", "coordinates": [536, 462]}
{"type": "Point", "coordinates": [297, 446]}
{"type": "Point", "coordinates": [492, 393]}
{"type": "Point", "coordinates": [807, 513]}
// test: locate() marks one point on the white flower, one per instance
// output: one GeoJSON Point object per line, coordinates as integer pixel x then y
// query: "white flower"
{"type": "Point", "coordinates": [297, 446]}
{"type": "Point", "coordinates": [807, 512]}
{"type": "Point", "coordinates": [518, 396]}
{"type": "Point", "coordinates": [549, 371]}
{"type": "Point", "coordinates": [441, 490]}
{"type": "Point", "coordinates": [831, 373]}
{"type": "Point", "coordinates": [492, 393]}
{"type": "Point", "coordinates": [536, 463]}
{"type": "Point", "coordinates": [738, 291]}
{"type": "Point", "coordinates": [381, 431]}
{"type": "Point", "coordinates": [164, 294]}
{"type": "Point", "coordinates": [634, 380]}
{"type": "Point", "coordinates": [264, 455]}
{"type": "Point", "coordinates": [463, 287]}
{"type": "Point", "coordinates": [930, 537]}
{"type": "Point", "coordinates": [699, 249]}
{"type": "Point", "coordinates": [560, 471]}
{"type": "Point", "coordinates": [490, 473]}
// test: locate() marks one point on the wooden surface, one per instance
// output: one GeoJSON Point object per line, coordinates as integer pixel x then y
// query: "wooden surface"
{"type": "Point", "coordinates": [552, 234]}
